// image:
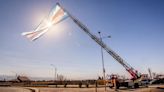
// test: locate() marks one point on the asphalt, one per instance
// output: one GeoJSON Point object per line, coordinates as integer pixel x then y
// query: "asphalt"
{"type": "Point", "coordinates": [152, 88]}
{"type": "Point", "coordinates": [14, 89]}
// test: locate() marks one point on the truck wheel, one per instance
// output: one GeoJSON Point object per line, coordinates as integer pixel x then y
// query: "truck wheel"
{"type": "Point", "coordinates": [87, 85]}
{"type": "Point", "coordinates": [136, 85]}
{"type": "Point", "coordinates": [111, 87]}
{"type": "Point", "coordinates": [117, 85]}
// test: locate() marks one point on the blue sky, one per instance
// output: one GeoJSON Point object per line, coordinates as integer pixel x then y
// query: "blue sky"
{"type": "Point", "coordinates": [136, 27]}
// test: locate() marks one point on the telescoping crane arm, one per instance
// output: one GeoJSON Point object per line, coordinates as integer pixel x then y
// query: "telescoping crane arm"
{"type": "Point", "coordinates": [130, 69]}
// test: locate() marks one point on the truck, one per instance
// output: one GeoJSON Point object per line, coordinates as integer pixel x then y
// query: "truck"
{"type": "Point", "coordinates": [137, 79]}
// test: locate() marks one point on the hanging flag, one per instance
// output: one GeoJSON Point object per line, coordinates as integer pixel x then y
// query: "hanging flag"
{"type": "Point", "coordinates": [56, 16]}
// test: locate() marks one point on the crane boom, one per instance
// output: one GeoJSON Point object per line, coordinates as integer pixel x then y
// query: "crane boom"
{"type": "Point", "coordinates": [130, 69]}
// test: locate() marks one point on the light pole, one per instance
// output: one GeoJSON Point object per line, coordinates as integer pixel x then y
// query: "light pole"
{"type": "Point", "coordinates": [102, 57]}
{"type": "Point", "coordinates": [55, 71]}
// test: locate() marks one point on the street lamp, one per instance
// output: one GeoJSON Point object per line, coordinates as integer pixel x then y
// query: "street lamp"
{"type": "Point", "coordinates": [102, 57]}
{"type": "Point", "coordinates": [55, 71]}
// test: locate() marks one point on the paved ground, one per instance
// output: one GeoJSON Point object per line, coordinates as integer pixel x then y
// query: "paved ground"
{"type": "Point", "coordinates": [14, 89]}
{"type": "Point", "coordinates": [150, 89]}
{"type": "Point", "coordinates": [154, 88]}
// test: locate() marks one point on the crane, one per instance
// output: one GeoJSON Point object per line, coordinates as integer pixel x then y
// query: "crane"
{"type": "Point", "coordinates": [128, 68]}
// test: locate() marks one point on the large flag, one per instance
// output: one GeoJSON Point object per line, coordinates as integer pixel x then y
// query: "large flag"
{"type": "Point", "coordinates": [56, 16]}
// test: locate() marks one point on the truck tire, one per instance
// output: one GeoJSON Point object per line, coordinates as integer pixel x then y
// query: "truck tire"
{"type": "Point", "coordinates": [117, 85]}
{"type": "Point", "coordinates": [136, 85]}
{"type": "Point", "coordinates": [111, 87]}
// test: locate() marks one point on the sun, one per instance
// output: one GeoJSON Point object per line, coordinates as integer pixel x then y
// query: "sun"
{"type": "Point", "coordinates": [48, 23]}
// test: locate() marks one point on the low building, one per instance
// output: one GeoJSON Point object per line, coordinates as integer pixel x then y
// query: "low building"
{"type": "Point", "coordinates": [23, 79]}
